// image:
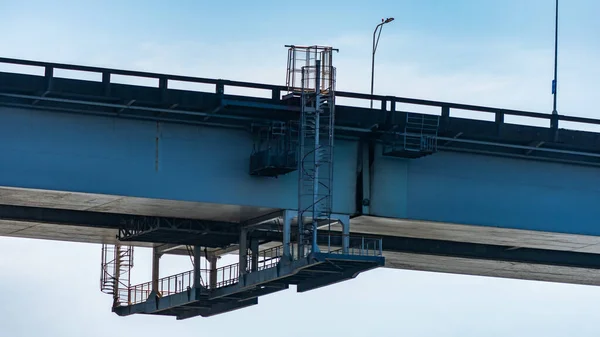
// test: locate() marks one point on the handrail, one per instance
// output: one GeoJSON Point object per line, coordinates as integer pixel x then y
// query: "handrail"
{"type": "Point", "coordinates": [145, 74]}
{"type": "Point", "coordinates": [229, 274]}
{"type": "Point", "coordinates": [168, 285]}
{"type": "Point", "coordinates": [269, 257]}
{"type": "Point", "coordinates": [358, 245]}
{"type": "Point", "coordinates": [276, 90]}
{"type": "Point", "coordinates": [224, 276]}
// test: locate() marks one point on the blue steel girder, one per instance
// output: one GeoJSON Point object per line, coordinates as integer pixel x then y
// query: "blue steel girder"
{"type": "Point", "coordinates": [182, 163]}
{"type": "Point", "coordinates": [106, 98]}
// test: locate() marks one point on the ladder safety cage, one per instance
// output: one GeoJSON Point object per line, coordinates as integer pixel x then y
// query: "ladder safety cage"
{"type": "Point", "coordinates": [418, 139]}
{"type": "Point", "coordinates": [301, 57]}
{"type": "Point", "coordinates": [275, 150]}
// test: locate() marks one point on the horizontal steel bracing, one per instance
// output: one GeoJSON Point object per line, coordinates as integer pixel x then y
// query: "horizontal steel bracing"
{"type": "Point", "coordinates": [134, 228]}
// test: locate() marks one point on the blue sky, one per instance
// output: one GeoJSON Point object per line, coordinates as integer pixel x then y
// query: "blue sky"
{"type": "Point", "coordinates": [486, 52]}
{"type": "Point", "coordinates": [482, 52]}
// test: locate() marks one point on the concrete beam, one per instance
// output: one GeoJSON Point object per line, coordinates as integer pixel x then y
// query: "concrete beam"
{"type": "Point", "coordinates": [263, 219]}
{"type": "Point", "coordinates": [169, 247]}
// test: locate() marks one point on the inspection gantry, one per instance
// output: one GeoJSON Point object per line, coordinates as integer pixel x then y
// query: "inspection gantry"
{"type": "Point", "coordinates": [335, 257]}
{"type": "Point", "coordinates": [294, 247]}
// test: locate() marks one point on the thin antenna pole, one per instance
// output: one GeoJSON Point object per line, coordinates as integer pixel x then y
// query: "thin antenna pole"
{"type": "Point", "coordinates": [555, 81]}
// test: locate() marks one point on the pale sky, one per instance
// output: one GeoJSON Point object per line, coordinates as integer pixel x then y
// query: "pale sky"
{"type": "Point", "coordinates": [496, 53]}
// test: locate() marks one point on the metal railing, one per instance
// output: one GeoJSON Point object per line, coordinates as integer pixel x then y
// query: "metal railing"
{"type": "Point", "coordinates": [358, 246]}
{"type": "Point", "coordinates": [227, 275]}
{"type": "Point", "coordinates": [163, 81]}
{"type": "Point", "coordinates": [166, 286]}
{"type": "Point", "coordinates": [224, 276]}
{"type": "Point", "coordinates": [270, 257]}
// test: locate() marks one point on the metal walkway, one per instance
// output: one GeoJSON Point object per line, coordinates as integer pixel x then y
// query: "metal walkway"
{"type": "Point", "coordinates": [208, 292]}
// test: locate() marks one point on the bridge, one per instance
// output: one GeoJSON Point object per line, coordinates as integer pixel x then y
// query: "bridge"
{"type": "Point", "coordinates": [300, 181]}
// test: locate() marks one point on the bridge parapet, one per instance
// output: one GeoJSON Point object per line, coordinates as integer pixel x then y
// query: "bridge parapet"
{"type": "Point", "coordinates": [163, 81]}
{"type": "Point", "coordinates": [52, 90]}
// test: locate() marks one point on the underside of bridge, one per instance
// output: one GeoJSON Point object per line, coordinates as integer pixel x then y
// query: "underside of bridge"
{"type": "Point", "coordinates": [272, 254]}
{"type": "Point", "coordinates": [406, 244]}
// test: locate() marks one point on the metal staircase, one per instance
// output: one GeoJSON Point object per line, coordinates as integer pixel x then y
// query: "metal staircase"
{"type": "Point", "coordinates": [315, 167]}
{"type": "Point", "coordinates": [116, 265]}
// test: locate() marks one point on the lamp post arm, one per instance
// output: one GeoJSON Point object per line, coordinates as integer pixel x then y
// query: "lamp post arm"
{"type": "Point", "coordinates": [373, 57]}
{"type": "Point", "coordinates": [376, 42]}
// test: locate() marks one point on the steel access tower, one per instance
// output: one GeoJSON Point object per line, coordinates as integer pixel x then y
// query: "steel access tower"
{"type": "Point", "coordinates": [294, 252]}
{"type": "Point", "coordinates": [317, 118]}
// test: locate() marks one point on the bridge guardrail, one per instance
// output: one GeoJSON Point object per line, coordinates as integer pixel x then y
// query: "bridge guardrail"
{"type": "Point", "coordinates": [276, 90]}
{"type": "Point", "coordinates": [358, 245]}
{"type": "Point", "coordinates": [226, 275]}
{"type": "Point", "coordinates": [229, 274]}
{"type": "Point", "coordinates": [168, 285]}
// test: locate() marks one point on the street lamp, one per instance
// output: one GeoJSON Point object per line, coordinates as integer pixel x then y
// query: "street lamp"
{"type": "Point", "coordinates": [380, 27]}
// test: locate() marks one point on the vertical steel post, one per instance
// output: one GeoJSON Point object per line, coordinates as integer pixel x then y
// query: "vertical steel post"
{"type": "Point", "coordinates": [555, 82]}
{"type": "Point", "coordinates": [345, 221]}
{"type": "Point", "coordinates": [213, 271]}
{"type": "Point", "coordinates": [254, 250]}
{"type": "Point", "coordinates": [243, 251]}
{"type": "Point", "coordinates": [117, 271]}
{"type": "Point", "coordinates": [301, 143]}
{"type": "Point", "coordinates": [554, 119]}
{"type": "Point", "coordinates": [315, 247]}
{"type": "Point", "coordinates": [366, 177]}
{"type": "Point", "coordinates": [362, 245]}
{"type": "Point", "coordinates": [197, 271]}
{"type": "Point", "coordinates": [155, 269]}
{"type": "Point", "coordinates": [287, 225]}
